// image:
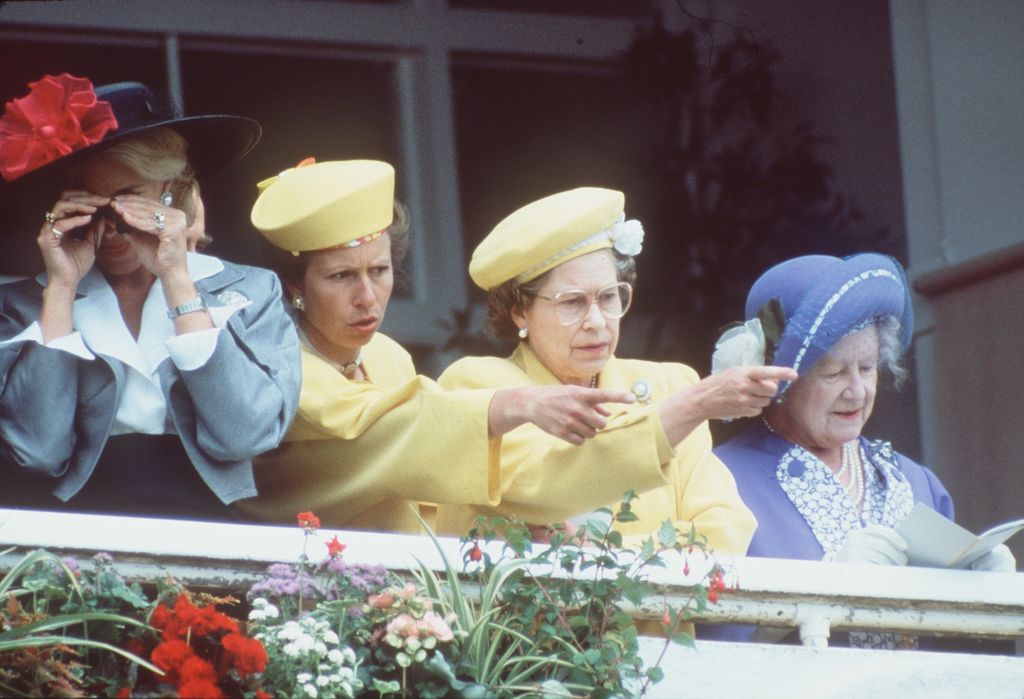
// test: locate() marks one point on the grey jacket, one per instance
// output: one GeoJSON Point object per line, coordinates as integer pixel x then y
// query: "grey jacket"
{"type": "Point", "coordinates": [57, 409]}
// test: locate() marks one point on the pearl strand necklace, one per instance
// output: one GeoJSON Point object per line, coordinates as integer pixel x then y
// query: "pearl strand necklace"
{"type": "Point", "coordinates": [850, 462]}
{"type": "Point", "coordinates": [853, 464]}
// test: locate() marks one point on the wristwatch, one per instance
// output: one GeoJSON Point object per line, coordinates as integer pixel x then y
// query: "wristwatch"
{"type": "Point", "coordinates": [190, 306]}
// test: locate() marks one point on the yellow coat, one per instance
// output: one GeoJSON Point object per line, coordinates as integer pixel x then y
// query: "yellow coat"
{"type": "Point", "coordinates": [359, 451]}
{"type": "Point", "coordinates": [545, 480]}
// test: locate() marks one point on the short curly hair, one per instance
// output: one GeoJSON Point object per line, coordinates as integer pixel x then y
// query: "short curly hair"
{"type": "Point", "coordinates": [512, 295]}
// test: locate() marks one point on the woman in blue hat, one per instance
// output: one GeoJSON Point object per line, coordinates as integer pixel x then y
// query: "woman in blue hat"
{"type": "Point", "coordinates": [818, 487]}
{"type": "Point", "coordinates": [135, 376]}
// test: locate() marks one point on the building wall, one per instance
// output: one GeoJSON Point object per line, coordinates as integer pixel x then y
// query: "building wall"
{"type": "Point", "coordinates": [960, 95]}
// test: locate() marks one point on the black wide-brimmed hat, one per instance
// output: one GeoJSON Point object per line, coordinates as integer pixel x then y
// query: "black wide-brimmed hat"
{"type": "Point", "coordinates": [63, 121]}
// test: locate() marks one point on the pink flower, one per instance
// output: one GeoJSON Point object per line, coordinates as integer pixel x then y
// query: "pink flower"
{"type": "Point", "coordinates": [433, 625]}
{"type": "Point", "coordinates": [404, 625]}
{"type": "Point", "coordinates": [382, 601]}
{"type": "Point", "coordinates": [60, 114]}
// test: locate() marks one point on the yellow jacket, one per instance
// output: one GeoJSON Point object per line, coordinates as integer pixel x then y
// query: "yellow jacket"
{"type": "Point", "coordinates": [545, 480]}
{"type": "Point", "coordinates": [359, 451]}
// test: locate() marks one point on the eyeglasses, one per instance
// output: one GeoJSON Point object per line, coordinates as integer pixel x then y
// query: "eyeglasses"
{"type": "Point", "coordinates": [572, 305]}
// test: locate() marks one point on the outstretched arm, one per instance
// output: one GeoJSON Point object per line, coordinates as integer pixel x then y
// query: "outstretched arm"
{"type": "Point", "coordinates": [571, 413]}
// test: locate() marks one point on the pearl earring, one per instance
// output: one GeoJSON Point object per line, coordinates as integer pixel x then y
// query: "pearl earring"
{"type": "Point", "coordinates": [297, 303]}
{"type": "Point", "coordinates": [523, 332]}
{"type": "Point", "coordinates": [167, 198]}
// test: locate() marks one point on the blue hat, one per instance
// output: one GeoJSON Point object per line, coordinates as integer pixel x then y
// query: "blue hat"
{"type": "Point", "coordinates": [825, 298]}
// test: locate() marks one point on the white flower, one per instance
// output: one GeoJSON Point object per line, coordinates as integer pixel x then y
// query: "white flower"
{"type": "Point", "coordinates": [335, 656]}
{"type": "Point", "coordinates": [305, 643]}
{"type": "Point", "coordinates": [304, 677]}
{"type": "Point", "coordinates": [271, 612]}
{"type": "Point", "coordinates": [291, 650]}
{"type": "Point", "coordinates": [742, 345]}
{"type": "Point", "coordinates": [627, 237]}
{"type": "Point", "coordinates": [330, 636]}
{"type": "Point", "coordinates": [289, 632]}
{"type": "Point", "coordinates": [323, 681]}
{"type": "Point", "coordinates": [310, 690]}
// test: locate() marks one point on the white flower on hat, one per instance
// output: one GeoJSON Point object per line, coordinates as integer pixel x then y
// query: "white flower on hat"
{"type": "Point", "coordinates": [743, 345]}
{"type": "Point", "coordinates": [627, 237]}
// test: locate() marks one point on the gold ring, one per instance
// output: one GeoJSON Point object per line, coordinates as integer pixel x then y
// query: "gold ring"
{"type": "Point", "coordinates": [56, 234]}
{"type": "Point", "coordinates": [50, 217]}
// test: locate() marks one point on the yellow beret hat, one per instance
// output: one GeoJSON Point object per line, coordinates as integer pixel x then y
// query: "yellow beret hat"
{"type": "Point", "coordinates": [553, 230]}
{"type": "Point", "coordinates": [325, 205]}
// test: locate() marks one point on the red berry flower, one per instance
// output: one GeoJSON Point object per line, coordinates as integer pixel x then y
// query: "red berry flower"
{"type": "Point", "coordinates": [308, 521]}
{"type": "Point", "coordinates": [475, 554]}
{"type": "Point", "coordinates": [60, 114]}
{"type": "Point", "coordinates": [334, 547]}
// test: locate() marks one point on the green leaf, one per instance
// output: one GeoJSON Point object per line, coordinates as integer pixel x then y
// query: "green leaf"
{"type": "Point", "coordinates": [388, 687]}
{"type": "Point", "coordinates": [655, 674]}
{"type": "Point", "coordinates": [683, 639]}
{"type": "Point", "coordinates": [667, 534]}
{"type": "Point", "coordinates": [627, 516]}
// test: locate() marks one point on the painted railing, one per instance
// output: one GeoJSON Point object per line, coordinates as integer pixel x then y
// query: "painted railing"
{"type": "Point", "coordinates": [814, 598]}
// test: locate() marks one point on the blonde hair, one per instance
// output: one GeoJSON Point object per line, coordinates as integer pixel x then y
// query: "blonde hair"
{"type": "Point", "coordinates": [159, 155]}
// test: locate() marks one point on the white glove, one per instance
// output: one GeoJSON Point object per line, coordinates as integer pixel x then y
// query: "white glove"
{"type": "Point", "coordinates": [873, 544]}
{"type": "Point", "coordinates": [998, 560]}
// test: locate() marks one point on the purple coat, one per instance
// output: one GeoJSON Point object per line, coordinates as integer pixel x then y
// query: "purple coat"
{"type": "Point", "coordinates": [782, 532]}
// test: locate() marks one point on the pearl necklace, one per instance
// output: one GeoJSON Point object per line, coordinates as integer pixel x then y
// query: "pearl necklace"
{"type": "Point", "coordinates": [344, 369]}
{"type": "Point", "coordinates": [853, 464]}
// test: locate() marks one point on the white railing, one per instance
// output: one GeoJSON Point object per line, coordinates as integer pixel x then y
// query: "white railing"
{"type": "Point", "coordinates": [815, 598]}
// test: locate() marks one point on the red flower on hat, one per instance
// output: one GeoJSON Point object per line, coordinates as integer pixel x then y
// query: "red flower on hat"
{"type": "Point", "coordinates": [60, 114]}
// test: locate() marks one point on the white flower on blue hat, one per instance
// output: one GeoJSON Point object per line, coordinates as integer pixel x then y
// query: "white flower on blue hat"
{"type": "Point", "coordinates": [742, 345]}
{"type": "Point", "coordinates": [627, 236]}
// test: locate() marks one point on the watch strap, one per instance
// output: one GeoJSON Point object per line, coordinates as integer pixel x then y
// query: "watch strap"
{"type": "Point", "coordinates": [190, 306]}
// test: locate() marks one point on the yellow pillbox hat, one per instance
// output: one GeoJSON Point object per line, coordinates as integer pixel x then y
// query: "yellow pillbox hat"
{"type": "Point", "coordinates": [325, 205]}
{"type": "Point", "coordinates": [550, 231]}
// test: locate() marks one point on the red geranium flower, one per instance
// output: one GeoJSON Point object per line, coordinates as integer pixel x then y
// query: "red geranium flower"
{"type": "Point", "coordinates": [60, 114]}
{"type": "Point", "coordinates": [170, 656]}
{"type": "Point", "coordinates": [246, 654]}
{"type": "Point", "coordinates": [308, 521]}
{"type": "Point", "coordinates": [195, 668]}
{"type": "Point", "coordinates": [200, 689]}
{"type": "Point", "coordinates": [335, 547]}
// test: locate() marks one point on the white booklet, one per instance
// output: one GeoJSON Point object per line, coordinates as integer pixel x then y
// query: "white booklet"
{"type": "Point", "coordinates": [934, 541]}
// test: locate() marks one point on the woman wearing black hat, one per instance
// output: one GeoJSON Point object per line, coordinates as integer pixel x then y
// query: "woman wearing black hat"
{"type": "Point", "coordinates": [135, 376]}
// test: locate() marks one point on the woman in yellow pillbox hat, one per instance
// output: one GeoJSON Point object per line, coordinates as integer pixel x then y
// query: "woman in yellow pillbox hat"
{"type": "Point", "coordinates": [559, 275]}
{"type": "Point", "coordinates": [370, 435]}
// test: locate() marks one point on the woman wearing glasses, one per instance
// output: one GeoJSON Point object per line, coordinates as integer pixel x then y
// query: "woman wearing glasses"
{"type": "Point", "coordinates": [371, 436]}
{"type": "Point", "coordinates": [559, 275]}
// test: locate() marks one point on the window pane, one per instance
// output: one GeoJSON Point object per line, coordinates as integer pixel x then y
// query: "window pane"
{"type": "Point", "coordinates": [592, 8]}
{"type": "Point", "coordinates": [526, 134]}
{"type": "Point", "coordinates": [308, 106]}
